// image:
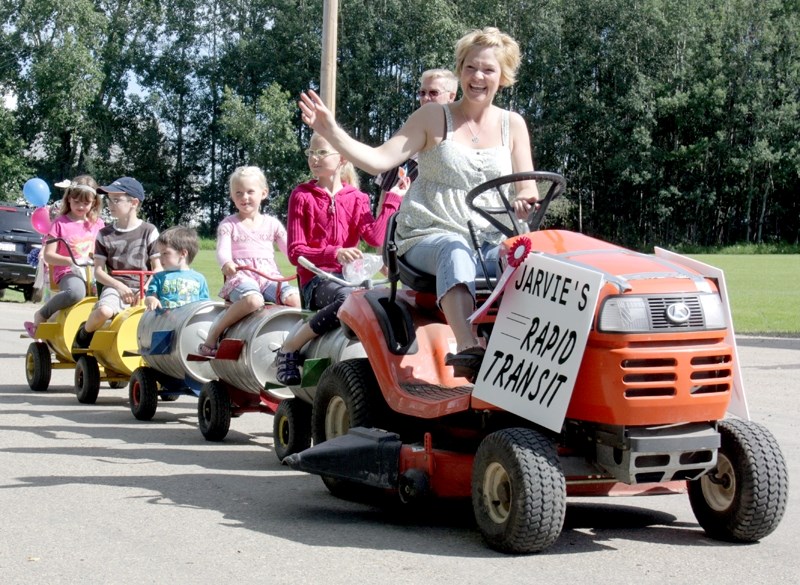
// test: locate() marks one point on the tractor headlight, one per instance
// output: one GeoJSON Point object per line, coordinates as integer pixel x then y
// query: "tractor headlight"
{"type": "Point", "coordinates": [713, 311]}
{"type": "Point", "coordinates": [624, 315]}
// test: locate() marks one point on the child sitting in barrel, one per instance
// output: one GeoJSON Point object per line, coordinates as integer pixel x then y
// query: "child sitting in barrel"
{"type": "Point", "coordinates": [177, 284]}
{"type": "Point", "coordinates": [247, 239]}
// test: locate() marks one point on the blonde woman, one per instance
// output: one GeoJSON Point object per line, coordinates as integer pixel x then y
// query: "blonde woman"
{"type": "Point", "coordinates": [458, 146]}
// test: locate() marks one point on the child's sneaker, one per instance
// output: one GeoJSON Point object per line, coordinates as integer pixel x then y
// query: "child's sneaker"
{"type": "Point", "coordinates": [206, 350]}
{"type": "Point", "coordinates": [288, 365]}
{"type": "Point", "coordinates": [83, 338]}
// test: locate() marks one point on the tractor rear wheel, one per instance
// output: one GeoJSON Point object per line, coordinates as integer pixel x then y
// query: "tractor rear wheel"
{"type": "Point", "coordinates": [87, 379]}
{"type": "Point", "coordinates": [743, 499]}
{"type": "Point", "coordinates": [344, 399]}
{"type": "Point", "coordinates": [143, 393]}
{"type": "Point", "coordinates": [38, 368]}
{"type": "Point", "coordinates": [291, 427]}
{"type": "Point", "coordinates": [519, 494]}
{"type": "Point", "coordinates": [214, 411]}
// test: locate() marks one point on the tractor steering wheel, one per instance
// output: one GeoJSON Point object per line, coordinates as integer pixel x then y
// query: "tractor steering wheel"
{"type": "Point", "coordinates": [534, 219]}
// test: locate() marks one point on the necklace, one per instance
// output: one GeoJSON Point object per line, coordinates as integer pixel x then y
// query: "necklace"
{"type": "Point", "coordinates": [474, 135]}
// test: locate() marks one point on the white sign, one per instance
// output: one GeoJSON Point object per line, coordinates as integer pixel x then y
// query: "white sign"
{"type": "Point", "coordinates": [738, 403]}
{"type": "Point", "coordinates": [538, 340]}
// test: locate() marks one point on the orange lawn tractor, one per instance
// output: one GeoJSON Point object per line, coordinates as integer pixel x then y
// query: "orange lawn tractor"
{"type": "Point", "coordinates": [607, 372]}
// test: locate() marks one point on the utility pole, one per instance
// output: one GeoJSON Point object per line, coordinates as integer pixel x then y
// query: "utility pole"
{"type": "Point", "coordinates": [330, 26]}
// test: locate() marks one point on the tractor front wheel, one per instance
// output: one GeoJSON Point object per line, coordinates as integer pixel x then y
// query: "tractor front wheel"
{"type": "Point", "coordinates": [744, 497]}
{"type": "Point", "coordinates": [214, 411]}
{"type": "Point", "coordinates": [519, 494]}
{"type": "Point", "coordinates": [143, 393]}
{"type": "Point", "coordinates": [87, 379]}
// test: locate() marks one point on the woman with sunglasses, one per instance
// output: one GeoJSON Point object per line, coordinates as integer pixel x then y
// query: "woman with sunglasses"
{"type": "Point", "coordinates": [459, 146]}
{"type": "Point", "coordinates": [328, 217]}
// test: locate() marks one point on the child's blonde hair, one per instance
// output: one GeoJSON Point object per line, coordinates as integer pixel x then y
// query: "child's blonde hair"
{"type": "Point", "coordinates": [246, 172]}
{"type": "Point", "coordinates": [347, 172]}
{"type": "Point", "coordinates": [81, 188]}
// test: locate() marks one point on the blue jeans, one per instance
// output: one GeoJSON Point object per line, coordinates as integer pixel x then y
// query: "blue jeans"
{"type": "Point", "coordinates": [453, 260]}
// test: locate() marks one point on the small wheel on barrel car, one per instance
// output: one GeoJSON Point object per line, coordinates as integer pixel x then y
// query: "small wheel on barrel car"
{"type": "Point", "coordinates": [143, 393]}
{"type": "Point", "coordinates": [291, 427]}
{"type": "Point", "coordinates": [38, 368]}
{"type": "Point", "coordinates": [116, 385]}
{"type": "Point", "coordinates": [87, 379]}
{"type": "Point", "coordinates": [214, 411]}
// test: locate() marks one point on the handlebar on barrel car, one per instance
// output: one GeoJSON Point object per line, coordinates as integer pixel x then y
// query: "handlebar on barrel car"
{"type": "Point", "coordinates": [363, 283]}
{"type": "Point", "coordinates": [279, 280]}
{"type": "Point", "coordinates": [140, 273]}
{"type": "Point", "coordinates": [84, 269]}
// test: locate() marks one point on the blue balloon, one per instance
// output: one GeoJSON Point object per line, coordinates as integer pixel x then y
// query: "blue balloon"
{"type": "Point", "coordinates": [36, 192]}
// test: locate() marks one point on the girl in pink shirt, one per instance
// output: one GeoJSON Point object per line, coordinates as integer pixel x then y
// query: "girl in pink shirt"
{"type": "Point", "coordinates": [77, 224]}
{"type": "Point", "coordinates": [328, 217]}
{"type": "Point", "coordinates": [248, 238]}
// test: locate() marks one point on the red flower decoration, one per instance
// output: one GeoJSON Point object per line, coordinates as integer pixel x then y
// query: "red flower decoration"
{"type": "Point", "coordinates": [519, 251]}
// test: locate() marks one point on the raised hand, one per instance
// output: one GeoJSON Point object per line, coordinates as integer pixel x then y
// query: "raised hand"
{"type": "Point", "coordinates": [315, 113]}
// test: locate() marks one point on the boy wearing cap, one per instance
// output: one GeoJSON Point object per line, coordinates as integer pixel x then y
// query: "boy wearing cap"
{"type": "Point", "coordinates": [128, 244]}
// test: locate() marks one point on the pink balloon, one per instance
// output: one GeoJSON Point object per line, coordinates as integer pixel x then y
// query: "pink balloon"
{"type": "Point", "coordinates": [40, 220]}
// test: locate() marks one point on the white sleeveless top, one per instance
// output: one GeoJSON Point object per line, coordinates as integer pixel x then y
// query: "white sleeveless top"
{"type": "Point", "coordinates": [436, 202]}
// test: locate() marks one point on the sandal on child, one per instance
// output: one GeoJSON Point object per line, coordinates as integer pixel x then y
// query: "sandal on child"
{"type": "Point", "coordinates": [206, 350]}
{"type": "Point", "coordinates": [30, 329]}
{"type": "Point", "coordinates": [288, 366]}
{"type": "Point", "coordinates": [466, 363]}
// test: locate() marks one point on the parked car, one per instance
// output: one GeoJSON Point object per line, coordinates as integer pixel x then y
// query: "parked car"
{"type": "Point", "coordinates": [17, 239]}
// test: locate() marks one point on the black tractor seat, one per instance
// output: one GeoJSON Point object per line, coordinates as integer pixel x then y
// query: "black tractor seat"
{"type": "Point", "coordinates": [414, 279]}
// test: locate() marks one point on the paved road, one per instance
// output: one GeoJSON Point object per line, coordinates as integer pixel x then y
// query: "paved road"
{"type": "Point", "coordinates": [90, 495]}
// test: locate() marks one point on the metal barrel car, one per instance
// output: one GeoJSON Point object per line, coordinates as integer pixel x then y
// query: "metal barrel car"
{"type": "Point", "coordinates": [165, 339]}
{"type": "Point", "coordinates": [243, 367]}
{"type": "Point", "coordinates": [111, 355]}
{"type": "Point", "coordinates": [53, 341]}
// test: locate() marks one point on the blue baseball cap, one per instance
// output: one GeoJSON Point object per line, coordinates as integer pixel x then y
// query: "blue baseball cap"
{"type": "Point", "coordinates": [127, 185]}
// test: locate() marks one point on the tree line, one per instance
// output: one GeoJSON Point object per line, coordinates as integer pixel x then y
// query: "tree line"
{"type": "Point", "coordinates": [674, 121]}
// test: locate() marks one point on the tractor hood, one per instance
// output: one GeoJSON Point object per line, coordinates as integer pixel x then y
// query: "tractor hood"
{"type": "Point", "coordinates": [628, 271]}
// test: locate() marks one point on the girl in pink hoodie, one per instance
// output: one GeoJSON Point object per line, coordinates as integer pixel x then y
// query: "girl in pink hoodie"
{"type": "Point", "coordinates": [328, 217]}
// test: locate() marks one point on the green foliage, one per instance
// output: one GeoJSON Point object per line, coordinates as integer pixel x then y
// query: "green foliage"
{"type": "Point", "coordinates": [266, 136]}
{"type": "Point", "coordinates": [14, 170]}
{"type": "Point", "coordinates": [675, 123]}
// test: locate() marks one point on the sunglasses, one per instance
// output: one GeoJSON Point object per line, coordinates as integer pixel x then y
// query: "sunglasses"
{"type": "Point", "coordinates": [321, 153]}
{"type": "Point", "coordinates": [432, 93]}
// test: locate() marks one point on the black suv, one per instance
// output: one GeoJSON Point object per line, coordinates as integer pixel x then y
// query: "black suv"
{"type": "Point", "coordinates": [17, 239]}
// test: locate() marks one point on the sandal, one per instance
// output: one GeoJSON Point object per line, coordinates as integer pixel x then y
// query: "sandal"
{"type": "Point", "coordinates": [206, 350]}
{"type": "Point", "coordinates": [466, 363]}
{"type": "Point", "coordinates": [30, 329]}
{"type": "Point", "coordinates": [288, 365]}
